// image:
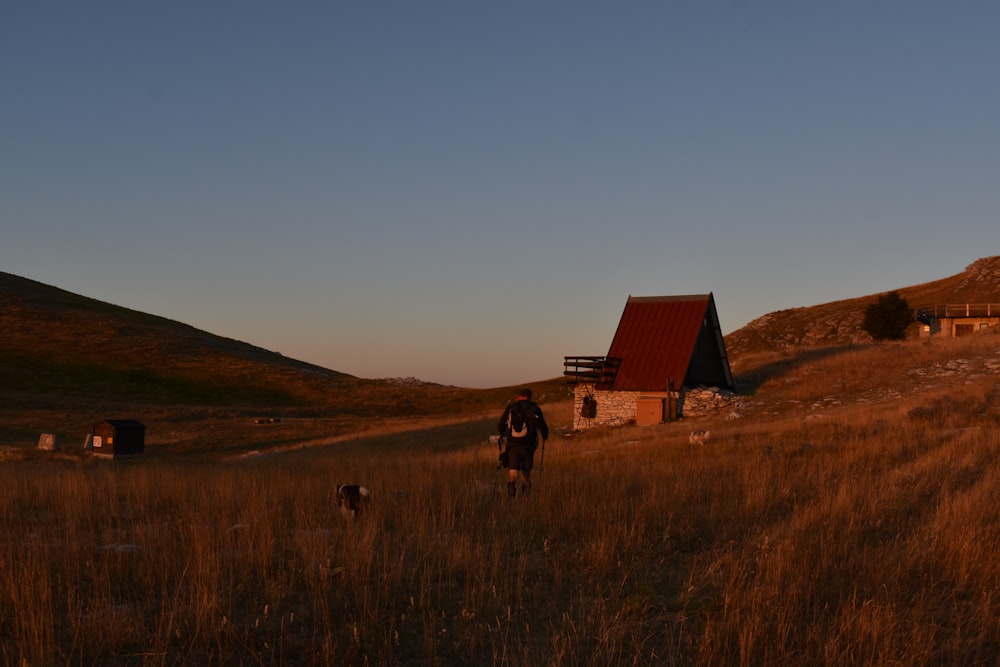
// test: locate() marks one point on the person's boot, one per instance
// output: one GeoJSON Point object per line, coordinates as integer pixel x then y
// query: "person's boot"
{"type": "Point", "coordinates": [512, 489]}
{"type": "Point", "coordinates": [525, 489]}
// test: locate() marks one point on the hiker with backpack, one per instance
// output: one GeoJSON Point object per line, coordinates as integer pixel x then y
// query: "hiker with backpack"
{"type": "Point", "coordinates": [520, 425]}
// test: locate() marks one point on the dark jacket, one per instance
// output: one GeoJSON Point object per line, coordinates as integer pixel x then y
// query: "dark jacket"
{"type": "Point", "coordinates": [536, 423]}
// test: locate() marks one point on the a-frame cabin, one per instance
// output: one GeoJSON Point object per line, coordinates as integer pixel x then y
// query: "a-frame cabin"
{"type": "Point", "coordinates": [663, 345]}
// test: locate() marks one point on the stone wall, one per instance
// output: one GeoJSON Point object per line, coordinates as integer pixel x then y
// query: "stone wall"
{"type": "Point", "coordinates": [617, 408]}
{"type": "Point", "coordinates": [705, 401]}
{"type": "Point", "coordinates": [614, 408]}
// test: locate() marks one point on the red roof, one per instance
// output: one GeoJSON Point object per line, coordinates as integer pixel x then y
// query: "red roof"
{"type": "Point", "coordinates": [656, 340]}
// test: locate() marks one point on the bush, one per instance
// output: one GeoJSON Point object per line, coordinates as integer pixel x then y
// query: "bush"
{"type": "Point", "coordinates": [888, 317]}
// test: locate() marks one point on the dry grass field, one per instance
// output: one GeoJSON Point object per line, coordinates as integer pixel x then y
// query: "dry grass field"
{"type": "Point", "coordinates": [850, 517]}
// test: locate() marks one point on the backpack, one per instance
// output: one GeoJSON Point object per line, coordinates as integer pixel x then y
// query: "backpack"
{"type": "Point", "coordinates": [517, 422]}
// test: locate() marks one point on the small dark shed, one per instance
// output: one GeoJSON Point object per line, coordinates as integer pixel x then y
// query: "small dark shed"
{"type": "Point", "coordinates": [119, 437]}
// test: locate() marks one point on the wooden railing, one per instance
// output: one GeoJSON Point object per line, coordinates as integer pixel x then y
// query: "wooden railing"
{"type": "Point", "coordinates": [600, 371]}
{"type": "Point", "coordinates": [928, 313]}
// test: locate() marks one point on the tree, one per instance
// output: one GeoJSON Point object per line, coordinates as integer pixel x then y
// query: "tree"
{"type": "Point", "coordinates": [888, 317]}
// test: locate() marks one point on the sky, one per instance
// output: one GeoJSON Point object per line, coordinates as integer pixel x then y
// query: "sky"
{"type": "Point", "coordinates": [467, 192]}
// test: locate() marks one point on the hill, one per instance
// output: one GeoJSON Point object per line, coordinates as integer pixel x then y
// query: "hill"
{"type": "Point", "coordinates": [60, 343]}
{"type": "Point", "coordinates": [68, 360]}
{"type": "Point", "coordinates": [785, 333]}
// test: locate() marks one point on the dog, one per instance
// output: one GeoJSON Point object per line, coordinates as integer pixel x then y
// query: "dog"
{"type": "Point", "coordinates": [352, 499]}
{"type": "Point", "coordinates": [698, 437]}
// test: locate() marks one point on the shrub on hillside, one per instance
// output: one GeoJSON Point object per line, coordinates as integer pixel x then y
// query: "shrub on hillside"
{"type": "Point", "coordinates": [888, 317]}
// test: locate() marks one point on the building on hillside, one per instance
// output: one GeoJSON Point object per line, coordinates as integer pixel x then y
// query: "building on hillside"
{"type": "Point", "coordinates": [955, 320]}
{"type": "Point", "coordinates": [664, 346]}
{"type": "Point", "coordinates": [118, 437]}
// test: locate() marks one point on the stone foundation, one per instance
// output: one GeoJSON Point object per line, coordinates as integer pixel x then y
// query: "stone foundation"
{"type": "Point", "coordinates": [617, 408]}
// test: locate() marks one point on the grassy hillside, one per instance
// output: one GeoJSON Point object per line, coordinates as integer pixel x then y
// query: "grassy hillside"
{"type": "Point", "coordinates": [836, 324]}
{"type": "Point", "coordinates": [67, 361]}
{"type": "Point", "coordinates": [59, 343]}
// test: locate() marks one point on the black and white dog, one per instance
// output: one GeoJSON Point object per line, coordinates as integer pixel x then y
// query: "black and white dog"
{"type": "Point", "coordinates": [352, 499]}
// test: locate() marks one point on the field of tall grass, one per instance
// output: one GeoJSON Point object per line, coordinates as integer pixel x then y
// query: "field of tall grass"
{"type": "Point", "coordinates": [851, 517]}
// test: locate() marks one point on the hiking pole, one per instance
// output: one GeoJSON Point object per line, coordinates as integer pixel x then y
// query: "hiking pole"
{"type": "Point", "coordinates": [496, 472]}
{"type": "Point", "coordinates": [541, 463]}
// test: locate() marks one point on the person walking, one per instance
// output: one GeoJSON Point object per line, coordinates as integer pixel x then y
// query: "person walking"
{"type": "Point", "coordinates": [520, 424]}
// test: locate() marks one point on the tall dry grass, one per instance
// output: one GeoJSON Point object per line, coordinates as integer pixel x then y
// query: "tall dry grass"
{"type": "Point", "coordinates": [864, 537]}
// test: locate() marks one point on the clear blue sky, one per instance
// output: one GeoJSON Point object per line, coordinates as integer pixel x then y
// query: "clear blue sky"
{"type": "Point", "coordinates": [467, 192]}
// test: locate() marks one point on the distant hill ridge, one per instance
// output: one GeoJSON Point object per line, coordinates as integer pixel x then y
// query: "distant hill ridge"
{"type": "Point", "coordinates": [39, 317]}
{"type": "Point", "coordinates": [58, 341]}
{"type": "Point", "coordinates": [59, 344]}
{"type": "Point", "coordinates": [839, 322]}
{"type": "Point", "coordinates": [60, 350]}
